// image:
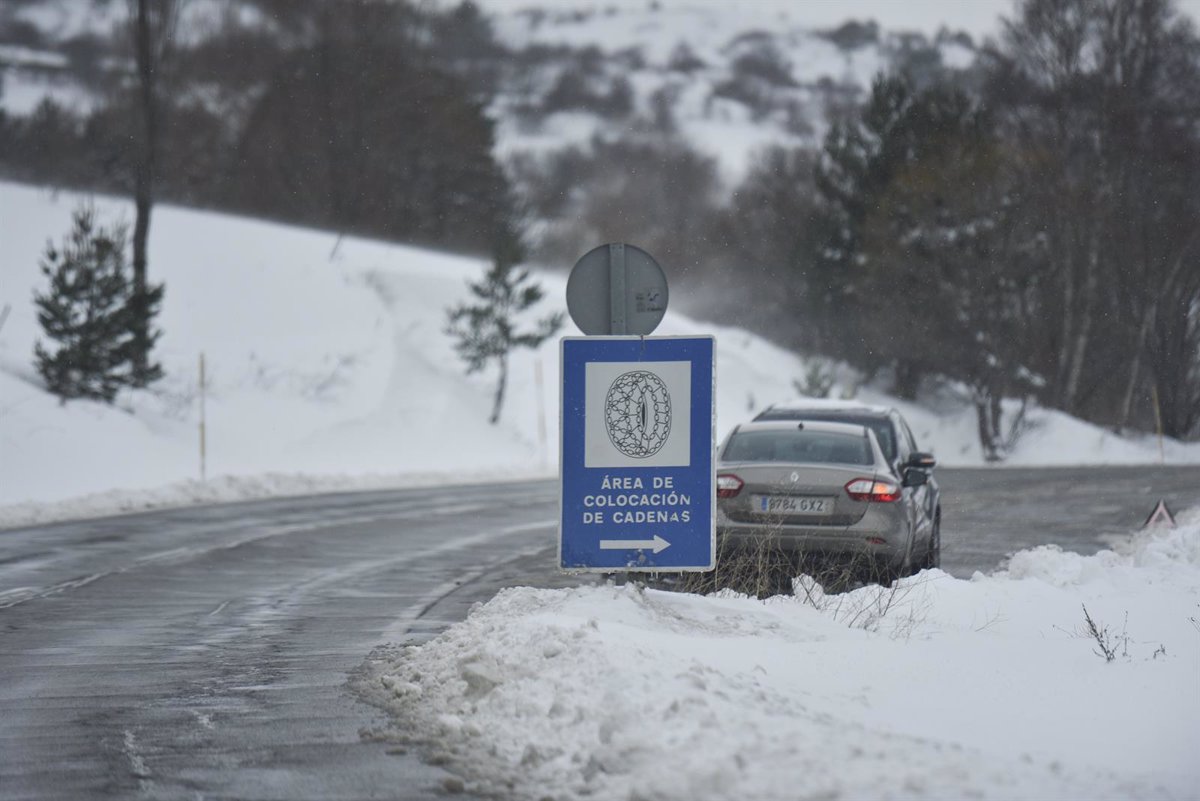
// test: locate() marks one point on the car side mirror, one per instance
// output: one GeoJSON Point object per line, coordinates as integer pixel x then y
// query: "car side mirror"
{"type": "Point", "coordinates": [915, 477]}
{"type": "Point", "coordinates": [925, 461]}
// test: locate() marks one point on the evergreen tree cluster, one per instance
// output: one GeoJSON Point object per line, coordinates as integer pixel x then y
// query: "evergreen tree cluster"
{"type": "Point", "coordinates": [89, 314]}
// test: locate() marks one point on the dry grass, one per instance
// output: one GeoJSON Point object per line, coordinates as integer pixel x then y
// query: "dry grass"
{"type": "Point", "coordinates": [763, 566]}
{"type": "Point", "coordinates": [1106, 639]}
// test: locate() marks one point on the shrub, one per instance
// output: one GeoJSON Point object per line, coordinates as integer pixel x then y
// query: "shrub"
{"type": "Point", "coordinates": [87, 311]}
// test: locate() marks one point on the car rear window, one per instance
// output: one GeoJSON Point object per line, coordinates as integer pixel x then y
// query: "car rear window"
{"type": "Point", "coordinates": [798, 446]}
{"type": "Point", "coordinates": [881, 426]}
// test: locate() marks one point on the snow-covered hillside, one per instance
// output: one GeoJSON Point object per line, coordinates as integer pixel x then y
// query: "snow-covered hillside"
{"type": "Point", "coordinates": [728, 78]}
{"type": "Point", "coordinates": [329, 369]}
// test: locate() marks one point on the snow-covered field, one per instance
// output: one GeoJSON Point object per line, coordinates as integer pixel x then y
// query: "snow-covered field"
{"type": "Point", "coordinates": [936, 688]}
{"type": "Point", "coordinates": [328, 369]}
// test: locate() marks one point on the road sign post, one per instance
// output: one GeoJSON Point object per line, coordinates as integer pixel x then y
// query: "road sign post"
{"type": "Point", "coordinates": [638, 491]}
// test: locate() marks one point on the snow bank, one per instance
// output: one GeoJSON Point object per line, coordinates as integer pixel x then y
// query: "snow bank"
{"type": "Point", "coordinates": [937, 688]}
{"type": "Point", "coordinates": [947, 426]}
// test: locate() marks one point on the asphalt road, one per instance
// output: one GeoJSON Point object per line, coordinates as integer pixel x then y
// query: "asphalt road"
{"type": "Point", "coordinates": [988, 514]}
{"type": "Point", "coordinates": [205, 653]}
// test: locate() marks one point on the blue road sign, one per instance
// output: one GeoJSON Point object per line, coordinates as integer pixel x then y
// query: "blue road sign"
{"type": "Point", "coordinates": [636, 476]}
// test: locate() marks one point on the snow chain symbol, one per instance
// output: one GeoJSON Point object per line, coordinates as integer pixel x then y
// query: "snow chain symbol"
{"type": "Point", "coordinates": [637, 414]}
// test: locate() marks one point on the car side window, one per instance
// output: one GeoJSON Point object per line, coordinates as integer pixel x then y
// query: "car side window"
{"type": "Point", "coordinates": [886, 436]}
{"type": "Point", "coordinates": [903, 442]}
{"type": "Point", "coordinates": [908, 434]}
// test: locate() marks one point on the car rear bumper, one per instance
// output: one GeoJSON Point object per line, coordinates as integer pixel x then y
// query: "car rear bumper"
{"type": "Point", "coordinates": [880, 536]}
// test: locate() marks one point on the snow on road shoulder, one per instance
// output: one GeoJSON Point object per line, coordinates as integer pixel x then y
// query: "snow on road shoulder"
{"type": "Point", "coordinates": [989, 687]}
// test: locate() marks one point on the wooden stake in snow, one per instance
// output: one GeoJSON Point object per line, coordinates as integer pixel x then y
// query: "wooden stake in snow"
{"type": "Point", "coordinates": [541, 407]}
{"type": "Point", "coordinates": [203, 444]}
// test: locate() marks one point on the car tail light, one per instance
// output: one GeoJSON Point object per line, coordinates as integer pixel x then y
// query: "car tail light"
{"type": "Point", "coordinates": [728, 485]}
{"type": "Point", "coordinates": [868, 489]}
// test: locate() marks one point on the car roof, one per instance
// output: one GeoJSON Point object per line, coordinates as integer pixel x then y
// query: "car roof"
{"type": "Point", "coordinates": [846, 428]}
{"type": "Point", "coordinates": [826, 406]}
{"type": "Point", "coordinates": [853, 429]}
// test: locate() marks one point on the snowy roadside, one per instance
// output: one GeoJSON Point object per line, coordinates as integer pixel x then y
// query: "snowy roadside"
{"type": "Point", "coordinates": [939, 688]}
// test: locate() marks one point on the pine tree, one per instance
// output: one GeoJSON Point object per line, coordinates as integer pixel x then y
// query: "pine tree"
{"type": "Point", "coordinates": [87, 312]}
{"type": "Point", "coordinates": [859, 158]}
{"type": "Point", "coordinates": [927, 260]}
{"type": "Point", "coordinates": [486, 331]}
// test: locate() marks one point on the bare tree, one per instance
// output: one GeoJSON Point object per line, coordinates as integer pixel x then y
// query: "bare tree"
{"type": "Point", "coordinates": [1098, 96]}
{"type": "Point", "coordinates": [152, 29]}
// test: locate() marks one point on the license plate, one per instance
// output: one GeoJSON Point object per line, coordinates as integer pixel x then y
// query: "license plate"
{"type": "Point", "coordinates": [793, 504]}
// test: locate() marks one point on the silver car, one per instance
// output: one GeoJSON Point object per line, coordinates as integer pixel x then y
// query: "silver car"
{"type": "Point", "coordinates": [824, 490]}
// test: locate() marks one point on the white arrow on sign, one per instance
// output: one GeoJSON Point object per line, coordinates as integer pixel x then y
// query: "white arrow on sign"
{"type": "Point", "coordinates": [657, 544]}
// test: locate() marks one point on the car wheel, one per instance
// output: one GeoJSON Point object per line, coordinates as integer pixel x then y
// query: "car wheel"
{"type": "Point", "coordinates": [933, 557]}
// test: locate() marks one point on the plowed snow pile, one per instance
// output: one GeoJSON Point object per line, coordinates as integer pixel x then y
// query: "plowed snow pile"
{"type": "Point", "coordinates": [937, 688]}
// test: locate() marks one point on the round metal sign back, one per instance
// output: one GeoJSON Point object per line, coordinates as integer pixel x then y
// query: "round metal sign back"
{"type": "Point", "coordinates": [617, 289]}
